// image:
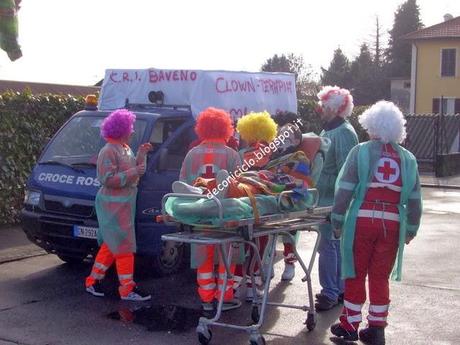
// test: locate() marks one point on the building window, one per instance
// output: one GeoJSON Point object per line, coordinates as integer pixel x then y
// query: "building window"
{"type": "Point", "coordinates": [448, 62]}
{"type": "Point", "coordinates": [449, 105]}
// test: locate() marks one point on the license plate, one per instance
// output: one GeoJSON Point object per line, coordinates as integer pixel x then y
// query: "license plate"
{"type": "Point", "coordinates": [84, 231]}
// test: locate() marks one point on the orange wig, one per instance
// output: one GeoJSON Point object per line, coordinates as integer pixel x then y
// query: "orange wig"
{"type": "Point", "coordinates": [213, 123]}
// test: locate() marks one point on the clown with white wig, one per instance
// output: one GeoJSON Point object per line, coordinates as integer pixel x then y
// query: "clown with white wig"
{"type": "Point", "coordinates": [335, 105]}
{"type": "Point", "coordinates": [377, 209]}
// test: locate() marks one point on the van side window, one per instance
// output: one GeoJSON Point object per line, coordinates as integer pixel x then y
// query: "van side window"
{"type": "Point", "coordinates": [178, 148]}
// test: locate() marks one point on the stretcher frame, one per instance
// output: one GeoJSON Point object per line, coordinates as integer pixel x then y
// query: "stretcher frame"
{"type": "Point", "coordinates": [247, 232]}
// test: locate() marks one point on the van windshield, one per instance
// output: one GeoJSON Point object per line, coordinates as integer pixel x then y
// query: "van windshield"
{"type": "Point", "coordinates": [79, 142]}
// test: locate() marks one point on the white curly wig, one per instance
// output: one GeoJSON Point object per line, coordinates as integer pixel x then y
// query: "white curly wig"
{"type": "Point", "coordinates": [384, 121]}
{"type": "Point", "coordinates": [338, 101]}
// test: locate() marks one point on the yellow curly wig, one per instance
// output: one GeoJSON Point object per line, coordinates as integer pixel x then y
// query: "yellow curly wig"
{"type": "Point", "coordinates": [255, 127]}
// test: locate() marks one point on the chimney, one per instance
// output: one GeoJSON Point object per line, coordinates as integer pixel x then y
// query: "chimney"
{"type": "Point", "coordinates": [448, 16]}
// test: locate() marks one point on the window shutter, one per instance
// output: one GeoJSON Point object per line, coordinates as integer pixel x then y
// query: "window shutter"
{"type": "Point", "coordinates": [448, 61]}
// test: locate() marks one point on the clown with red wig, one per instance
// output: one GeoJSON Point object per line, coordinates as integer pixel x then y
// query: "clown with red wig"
{"type": "Point", "coordinates": [118, 171]}
{"type": "Point", "coordinates": [214, 128]}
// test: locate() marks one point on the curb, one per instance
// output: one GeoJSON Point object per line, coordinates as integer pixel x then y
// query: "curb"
{"type": "Point", "coordinates": [446, 186]}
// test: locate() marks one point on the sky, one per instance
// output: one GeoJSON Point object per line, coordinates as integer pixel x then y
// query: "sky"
{"type": "Point", "coordinates": [74, 41]}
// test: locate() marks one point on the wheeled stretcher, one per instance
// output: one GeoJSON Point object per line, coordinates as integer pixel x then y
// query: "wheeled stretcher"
{"type": "Point", "coordinates": [226, 233]}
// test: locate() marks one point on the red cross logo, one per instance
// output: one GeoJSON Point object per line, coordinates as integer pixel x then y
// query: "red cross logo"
{"type": "Point", "coordinates": [208, 172]}
{"type": "Point", "coordinates": [387, 170]}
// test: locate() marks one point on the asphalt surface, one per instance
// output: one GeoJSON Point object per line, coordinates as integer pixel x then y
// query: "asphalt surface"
{"type": "Point", "coordinates": [42, 300]}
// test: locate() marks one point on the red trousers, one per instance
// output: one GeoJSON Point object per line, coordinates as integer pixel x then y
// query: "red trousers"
{"type": "Point", "coordinates": [125, 269]}
{"type": "Point", "coordinates": [206, 278]}
{"type": "Point", "coordinates": [374, 251]}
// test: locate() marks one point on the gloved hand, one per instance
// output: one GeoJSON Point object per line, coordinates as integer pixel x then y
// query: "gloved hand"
{"type": "Point", "coordinates": [409, 238]}
{"type": "Point", "coordinates": [140, 169]}
{"type": "Point", "coordinates": [337, 233]}
{"type": "Point", "coordinates": [146, 147]}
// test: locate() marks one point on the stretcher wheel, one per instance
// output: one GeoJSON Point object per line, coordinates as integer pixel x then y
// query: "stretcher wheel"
{"type": "Point", "coordinates": [255, 316]}
{"type": "Point", "coordinates": [257, 340]}
{"type": "Point", "coordinates": [311, 322]}
{"type": "Point", "coordinates": [204, 335]}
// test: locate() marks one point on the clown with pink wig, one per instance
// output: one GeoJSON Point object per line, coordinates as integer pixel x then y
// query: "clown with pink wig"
{"type": "Point", "coordinates": [335, 105]}
{"type": "Point", "coordinates": [118, 171]}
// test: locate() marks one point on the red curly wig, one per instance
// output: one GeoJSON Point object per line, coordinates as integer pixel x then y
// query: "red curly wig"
{"type": "Point", "coordinates": [213, 123]}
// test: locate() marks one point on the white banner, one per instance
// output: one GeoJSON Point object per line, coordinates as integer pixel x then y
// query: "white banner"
{"type": "Point", "coordinates": [237, 92]}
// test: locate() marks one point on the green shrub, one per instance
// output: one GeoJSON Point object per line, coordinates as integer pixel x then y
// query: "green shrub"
{"type": "Point", "coordinates": [26, 123]}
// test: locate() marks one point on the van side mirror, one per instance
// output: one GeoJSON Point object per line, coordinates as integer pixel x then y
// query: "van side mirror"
{"type": "Point", "coordinates": [162, 159]}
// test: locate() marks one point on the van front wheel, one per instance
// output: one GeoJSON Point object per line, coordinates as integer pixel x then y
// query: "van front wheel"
{"type": "Point", "coordinates": [71, 259]}
{"type": "Point", "coordinates": [171, 259]}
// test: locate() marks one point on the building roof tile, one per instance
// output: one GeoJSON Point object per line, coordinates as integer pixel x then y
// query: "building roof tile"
{"type": "Point", "coordinates": [447, 29]}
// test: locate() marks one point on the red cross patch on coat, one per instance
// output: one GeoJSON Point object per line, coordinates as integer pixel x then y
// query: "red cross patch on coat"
{"type": "Point", "coordinates": [388, 170]}
{"type": "Point", "coordinates": [207, 171]}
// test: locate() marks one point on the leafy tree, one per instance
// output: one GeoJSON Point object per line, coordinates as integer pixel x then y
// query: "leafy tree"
{"type": "Point", "coordinates": [398, 54]}
{"type": "Point", "coordinates": [368, 80]}
{"type": "Point", "coordinates": [377, 48]}
{"type": "Point", "coordinates": [362, 78]}
{"type": "Point", "coordinates": [338, 72]}
{"type": "Point", "coordinates": [292, 63]}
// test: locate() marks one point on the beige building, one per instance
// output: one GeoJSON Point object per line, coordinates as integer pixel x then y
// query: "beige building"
{"type": "Point", "coordinates": [435, 72]}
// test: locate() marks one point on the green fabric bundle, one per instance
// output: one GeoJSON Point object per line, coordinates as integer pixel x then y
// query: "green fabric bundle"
{"type": "Point", "coordinates": [9, 29]}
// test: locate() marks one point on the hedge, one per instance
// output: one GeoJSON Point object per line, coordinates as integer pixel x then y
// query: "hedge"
{"type": "Point", "coordinates": [26, 123]}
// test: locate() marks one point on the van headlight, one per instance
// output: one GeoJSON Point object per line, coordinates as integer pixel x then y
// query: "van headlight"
{"type": "Point", "coordinates": [32, 197]}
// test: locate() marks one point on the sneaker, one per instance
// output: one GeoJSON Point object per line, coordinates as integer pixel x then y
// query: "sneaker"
{"type": "Point", "coordinates": [136, 295]}
{"type": "Point", "coordinates": [95, 289]}
{"type": "Point", "coordinates": [207, 306]}
{"type": "Point", "coordinates": [340, 298]}
{"type": "Point", "coordinates": [324, 303]}
{"type": "Point", "coordinates": [184, 188]}
{"type": "Point", "coordinates": [231, 304]}
{"type": "Point", "coordinates": [341, 332]}
{"type": "Point", "coordinates": [372, 335]}
{"type": "Point", "coordinates": [289, 272]}
{"type": "Point", "coordinates": [250, 294]}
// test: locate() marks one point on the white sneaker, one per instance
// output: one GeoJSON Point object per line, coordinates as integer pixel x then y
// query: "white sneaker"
{"type": "Point", "coordinates": [184, 188]}
{"type": "Point", "coordinates": [207, 306]}
{"type": "Point", "coordinates": [95, 289]}
{"type": "Point", "coordinates": [231, 304]}
{"type": "Point", "coordinates": [289, 272]}
{"type": "Point", "coordinates": [246, 293]}
{"type": "Point", "coordinates": [136, 295]}
{"type": "Point", "coordinates": [250, 294]}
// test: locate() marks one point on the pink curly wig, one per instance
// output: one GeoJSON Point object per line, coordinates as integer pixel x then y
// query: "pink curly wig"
{"type": "Point", "coordinates": [213, 123]}
{"type": "Point", "coordinates": [337, 100]}
{"type": "Point", "coordinates": [118, 124]}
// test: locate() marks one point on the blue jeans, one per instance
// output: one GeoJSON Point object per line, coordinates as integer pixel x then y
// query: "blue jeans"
{"type": "Point", "coordinates": [329, 264]}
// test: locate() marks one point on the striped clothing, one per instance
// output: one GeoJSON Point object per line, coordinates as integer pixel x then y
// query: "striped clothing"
{"type": "Point", "coordinates": [206, 159]}
{"type": "Point", "coordinates": [384, 192]}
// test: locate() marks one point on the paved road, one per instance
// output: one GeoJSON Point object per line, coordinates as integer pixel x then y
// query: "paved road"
{"type": "Point", "coordinates": [42, 300]}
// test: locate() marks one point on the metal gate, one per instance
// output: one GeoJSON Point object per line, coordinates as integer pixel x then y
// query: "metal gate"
{"type": "Point", "coordinates": [430, 135]}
